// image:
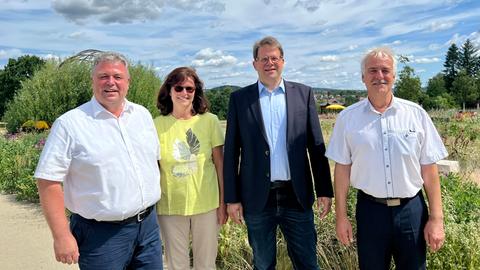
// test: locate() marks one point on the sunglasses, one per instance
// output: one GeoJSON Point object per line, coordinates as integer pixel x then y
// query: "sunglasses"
{"type": "Point", "coordinates": [179, 89]}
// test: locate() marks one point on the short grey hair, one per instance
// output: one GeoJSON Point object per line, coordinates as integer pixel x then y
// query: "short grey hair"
{"type": "Point", "coordinates": [380, 52]}
{"type": "Point", "coordinates": [268, 40]}
{"type": "Point", "coordinates": [112, 57]}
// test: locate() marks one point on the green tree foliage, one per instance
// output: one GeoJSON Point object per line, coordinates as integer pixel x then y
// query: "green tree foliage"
{"type": "Point", "coordinates": [144, 87]}
{"type": "Point", "coordinates": [437, 96]}
{"type": "Point", "coordinates": [452, 66]}
{"type": "Point", "coordinates": [54, 90]}
{"type": "Point", "coordinates": [465, 89]}
{"type": "Point", "coordinates": [436, 85]}
{"type": "Point", "coordinates": [443, 102]}
{"type": "Point", "coordinates": [218, 99]}
{"type": "Point", "coordinates": [408, 86]}
{"type": "Point", "coordinates": [469, 59]}
{"type": "Point", "coordinates": [16, 71]}
{"type": "Point", "coordinates": [349, 100]}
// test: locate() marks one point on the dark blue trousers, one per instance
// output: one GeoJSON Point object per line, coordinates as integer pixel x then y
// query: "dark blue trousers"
{"type": "Point", "coordinates": [385, 231]}
{"type": "Point", "coordinates": [105, 245]}
{"type": "Point", "coordinates": [284, 211]}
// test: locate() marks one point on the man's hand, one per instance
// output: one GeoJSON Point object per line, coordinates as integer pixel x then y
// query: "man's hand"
{"type": "Point", "coordinates": [235, 212]}
{"type": "Point", "coordinates": [434, 233]}
{"type": "Point", "coordinates": [324, 205]}
{"type": "Point", "coordinates": [222, 215]}
{"type": "Point", "coordinates": [344, 230]}
{"type": "Point", "coordinates": [66, 249]}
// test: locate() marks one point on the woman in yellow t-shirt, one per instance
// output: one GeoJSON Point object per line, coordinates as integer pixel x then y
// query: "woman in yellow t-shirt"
{"type": "Point", "coordinates": [191, 168]}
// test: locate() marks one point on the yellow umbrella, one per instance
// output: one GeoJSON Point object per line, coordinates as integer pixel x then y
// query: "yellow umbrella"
{"type": "Point", "coordinates": [335, 107]}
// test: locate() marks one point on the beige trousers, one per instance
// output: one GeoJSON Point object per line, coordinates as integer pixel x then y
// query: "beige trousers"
{"type": "Point", "coordinates": [176, 231]}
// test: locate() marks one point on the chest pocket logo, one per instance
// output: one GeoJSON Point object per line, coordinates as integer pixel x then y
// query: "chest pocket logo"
{"type": "Point", "coordinates": [404, 141]}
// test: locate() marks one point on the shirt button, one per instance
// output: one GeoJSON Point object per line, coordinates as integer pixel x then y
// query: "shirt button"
{"type": "Point", "coordinates": [389, 183]}
{"type": "Point", "coordinates": [267, 174]}
{"type": "Point", "coordinates": [388, 166]}
{"type": "Point", "coordinates": [386, 149]}
{"type": "Point", "coordinates": [267, 153]}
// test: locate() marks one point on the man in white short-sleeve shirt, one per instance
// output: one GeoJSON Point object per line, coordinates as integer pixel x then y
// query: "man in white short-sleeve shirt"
{"type": "Point", "coordinates": [105, 153]}
{"type": "Point", "coordinates": [387, 149]}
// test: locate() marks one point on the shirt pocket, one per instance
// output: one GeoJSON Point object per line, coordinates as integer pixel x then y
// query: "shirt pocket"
{"type": "Point", "coordinates": [405, 142]}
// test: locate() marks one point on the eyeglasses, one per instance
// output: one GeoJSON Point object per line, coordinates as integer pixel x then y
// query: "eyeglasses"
{"type": "Point", "coordinates": [179, 89]}
{"type": "Point", "coordinates": [265, 60]}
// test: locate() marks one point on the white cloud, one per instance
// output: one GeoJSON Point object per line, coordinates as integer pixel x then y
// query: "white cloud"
{"type": "Point", "coordinates": [50, 56]}
{"type": "Point", "coordinates": [352, 47]}
{"type": "Point", "coordinates": [437, 26]}
{"type": "Point", "coordinates": [426, 60]}
{"type": "Point", "coordinates": [128, 11]}
{"type": "Point", "coordinates": [210, 57]}
{"type": "Point", "coordinates": [329, 58]}
{"type": "Point", "coordinates": [227, 75]}
{"type": "Point", "coordinates": [475, 38]}
{"type": "Point", "coordinates": [10, 53]}
{"type": "Point", "coordinates": [78, 35]}
{"type": "Point", "coordinates": [434, 47]}
{"type": "Point", "coordinates": [244, 64]}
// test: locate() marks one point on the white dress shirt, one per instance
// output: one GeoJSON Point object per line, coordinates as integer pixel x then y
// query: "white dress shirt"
{"type": "Point", "coordinates": [386, 150]}
{"type": "Point", "coordinates": [108, 165]}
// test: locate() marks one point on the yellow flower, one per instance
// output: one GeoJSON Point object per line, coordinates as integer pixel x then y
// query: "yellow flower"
{"type": "Point", "coordinates": [41, 125]}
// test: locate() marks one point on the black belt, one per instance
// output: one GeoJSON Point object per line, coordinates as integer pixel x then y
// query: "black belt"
{"type": "Point", "coordinates": [386, 201]}
{"type": "Point", "coordinates": [133, 219]}
{"type": "Point", "coordinates": [280, 184]}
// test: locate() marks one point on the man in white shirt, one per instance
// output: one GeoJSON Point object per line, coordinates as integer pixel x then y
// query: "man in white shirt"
{"type": "Point", "coordinates": [387, 149]}
{"type": "Point", "coordinates": [105, 152]}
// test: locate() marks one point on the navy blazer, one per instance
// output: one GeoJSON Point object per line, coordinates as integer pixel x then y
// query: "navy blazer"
{"type": "Point", "coordinates": [247, 154]}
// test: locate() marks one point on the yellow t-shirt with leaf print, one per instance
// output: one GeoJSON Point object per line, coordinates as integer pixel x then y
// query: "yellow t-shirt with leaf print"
{"type": "Point", "coordinates": [188, 177]}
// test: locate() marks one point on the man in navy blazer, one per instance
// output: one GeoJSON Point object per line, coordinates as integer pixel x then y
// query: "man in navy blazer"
{"type": "Point", "coordinates": [269, 178]}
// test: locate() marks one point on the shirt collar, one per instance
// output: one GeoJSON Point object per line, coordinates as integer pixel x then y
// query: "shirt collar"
{"type": "Point", "coordinates": [262, 88]}
{"type": "Point", "coordinates": [393, 105]}
{"type": "Point", "coordinates": [97, 108]}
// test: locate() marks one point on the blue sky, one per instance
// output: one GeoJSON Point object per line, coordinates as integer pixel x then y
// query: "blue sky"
{"type": "Point", "coordinates": [323, 40]}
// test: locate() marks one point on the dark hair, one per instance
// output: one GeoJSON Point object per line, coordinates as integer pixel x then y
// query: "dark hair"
{"type": "Point", "coordinates": [269, 41]}
{"type": "Point", "coordinates": [178, 75]}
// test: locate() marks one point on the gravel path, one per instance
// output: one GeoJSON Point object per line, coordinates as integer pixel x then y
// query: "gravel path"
{"type": "Point", "coordinates": [25, 240]}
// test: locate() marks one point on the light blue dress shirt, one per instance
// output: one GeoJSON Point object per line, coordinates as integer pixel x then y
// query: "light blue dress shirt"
{"type": "Point", "coordinates": [274, 112]}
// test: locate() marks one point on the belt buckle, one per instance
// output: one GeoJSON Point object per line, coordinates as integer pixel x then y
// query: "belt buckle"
{"type": "Point", "coordinates": [393, 202]}
{"type": "Point", "coordinates": [140, 216]}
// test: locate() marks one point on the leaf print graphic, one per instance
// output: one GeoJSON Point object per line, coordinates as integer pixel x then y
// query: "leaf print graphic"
{"type": "Point", "coordinates": [181, 150]}
{"type": "Point", "coordinates": [193, 142]}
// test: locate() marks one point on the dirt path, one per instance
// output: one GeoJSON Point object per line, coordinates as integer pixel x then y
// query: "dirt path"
{"type": "Point", "coordinates": [25, 240]}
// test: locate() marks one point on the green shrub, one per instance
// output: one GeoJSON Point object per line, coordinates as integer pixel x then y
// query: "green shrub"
{"type": "Point", "coordinates": [144, 86]}
{"type": "Point", "coordinates": [56, 89]}
{"type": "Point", "coordinates": [461, 204]}
{"type": "Point", "coordinates": [461, 200]}
{"type": "Point", "coordinates": [51, 92]}
{"type": "Point", "coordinates": [18, 158]}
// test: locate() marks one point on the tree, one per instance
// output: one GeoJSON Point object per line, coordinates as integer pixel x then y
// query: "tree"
{"type": "Point", "coordinates": [436, 85]}
{"type": "Point", "coordinates": [465, 89]}
{"type": "Point", "coordinates": [408, 85]}
{"type": "Point", "coordinates": [452, 66]}
{"type": "Point", "coordinates": [218, 99]}
{"type": "Point", "coordinates": [469, 59]}
{"type": "Point", "coordinates": [16, 71]}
